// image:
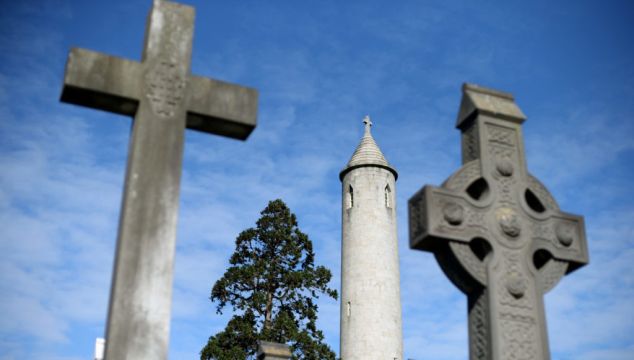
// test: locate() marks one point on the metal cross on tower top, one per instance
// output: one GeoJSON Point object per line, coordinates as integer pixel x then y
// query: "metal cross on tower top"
{"type": "Point", "coordinates": [497, 232]}
{"type": "Point", "coordinates": [368, 123]}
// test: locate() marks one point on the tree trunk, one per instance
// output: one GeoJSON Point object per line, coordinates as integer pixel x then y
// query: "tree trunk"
{"type": "Point", "coordinates": [269, 310]}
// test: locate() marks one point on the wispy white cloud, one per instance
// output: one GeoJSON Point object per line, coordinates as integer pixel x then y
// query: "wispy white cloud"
{"type": "Point", "coordinates": [318, 73]}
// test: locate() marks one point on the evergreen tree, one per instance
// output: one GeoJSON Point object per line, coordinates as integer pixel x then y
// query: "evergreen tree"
{"type": "Point", "coordinates": [271, 285]}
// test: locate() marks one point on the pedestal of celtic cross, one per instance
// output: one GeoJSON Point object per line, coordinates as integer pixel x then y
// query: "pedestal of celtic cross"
{"type": "Point", "coordinates": [497, 232]}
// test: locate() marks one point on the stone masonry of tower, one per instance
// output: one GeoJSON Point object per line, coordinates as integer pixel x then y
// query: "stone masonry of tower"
{"type": "Point", "coordinates": [370, 292]}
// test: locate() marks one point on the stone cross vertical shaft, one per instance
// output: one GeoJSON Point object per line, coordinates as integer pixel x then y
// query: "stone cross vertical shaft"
{"type": "Point", "coordinates": [164, 98]}
{"type": "Point", "coordinates": [497, 232]}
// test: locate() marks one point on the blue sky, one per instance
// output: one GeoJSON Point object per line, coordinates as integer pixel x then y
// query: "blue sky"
{"type": "Point", "coordinates": [319, 67]}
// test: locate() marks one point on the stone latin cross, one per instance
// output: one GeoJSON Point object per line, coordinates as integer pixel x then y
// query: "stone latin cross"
{"type": "Point", "coordinates": [497, 232]}
{"type": "Point", "coordinates": [164, 98]}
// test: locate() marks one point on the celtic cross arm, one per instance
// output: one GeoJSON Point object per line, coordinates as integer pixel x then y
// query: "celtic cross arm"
{"type": "Point", "coordinates": [563, 236]}
{"type": "Point", "coordinates": [438, 214]}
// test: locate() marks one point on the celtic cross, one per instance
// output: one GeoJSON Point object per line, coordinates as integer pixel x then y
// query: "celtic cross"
{"type": "Point", "coordinates": [497, 232]}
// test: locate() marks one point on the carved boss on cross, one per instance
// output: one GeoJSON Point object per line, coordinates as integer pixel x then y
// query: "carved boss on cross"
{"type": "Point", "coordinates": [497, 232]}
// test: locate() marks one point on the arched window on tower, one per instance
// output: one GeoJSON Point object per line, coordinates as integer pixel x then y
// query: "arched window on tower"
{"type": "Point", "coordinates": [388, 196]}
{"type": "Point", "coordinates": [350, 200]}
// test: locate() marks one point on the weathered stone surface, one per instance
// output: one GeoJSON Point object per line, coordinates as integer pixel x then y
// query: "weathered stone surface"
{"type": "Point", "coordinates": [370, 288]}
{"type": "Point", "coordinates": [273, 351]}
{"type": "Point", "coordinates": [497, 232]}
{"type": "Point", "coordinates": [113, 84]}
{"type": "Point", "coordinates": [164, 99]}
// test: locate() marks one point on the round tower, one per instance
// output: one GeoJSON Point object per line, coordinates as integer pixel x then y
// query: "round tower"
{"type": "Point", "coordinates": [370, 290]}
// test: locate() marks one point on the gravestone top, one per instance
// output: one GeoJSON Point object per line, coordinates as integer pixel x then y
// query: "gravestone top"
{"type": "Point", "coordinates": [497, 232]}
{"type": "Point", "coordinates": [273, 351]}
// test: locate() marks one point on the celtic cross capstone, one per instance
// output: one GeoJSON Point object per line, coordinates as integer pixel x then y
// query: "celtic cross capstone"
{"type": "Point", "coordinates": [164, 98]}
{"type": "Point", "coordinates": [497, 232]}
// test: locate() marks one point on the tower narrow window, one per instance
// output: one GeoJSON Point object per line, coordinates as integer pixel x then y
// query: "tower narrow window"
{"type": "Point", "coordinates": [388, 196]}
{"type": "Point", "coordinates": [348, 309]}
{"type": "Point", "coordinates": [350, 197]}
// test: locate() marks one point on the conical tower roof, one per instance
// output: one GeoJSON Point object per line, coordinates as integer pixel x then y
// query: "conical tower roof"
{"type": "Point", "coordinates": [367, 153]}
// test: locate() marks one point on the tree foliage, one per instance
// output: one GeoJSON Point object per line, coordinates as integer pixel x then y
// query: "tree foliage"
{"type": "Point", "coordinates": [271, 285]}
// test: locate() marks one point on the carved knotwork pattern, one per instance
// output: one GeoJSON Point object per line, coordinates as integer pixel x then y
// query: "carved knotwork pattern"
{"type": "Point", "coordinates": [164, 88]}
{"type": "Point", "coordinates": [502, 150]}
{"type": "Point", "coordinates": [476, 221]}
{"type": "Point", "coordinates": [546, 231]}
{"type": "Point", "coordinates": [519, 340]}
{"type": "Point", "coordinates": [470, 144]}
{"type": "Point", "coordinates": [506, 186]}
{"type": "Point", "coordinates": [511, 267]}
{"type": "Point", "coordinates": [517, 322]}
{"type": "Point", "coordinates": [498, 152]}
{"type": "Point", "coordinates": [517, 317]}
{"type": "Point", "coordinates": [478, 322]}
{"type": "Point", "coordinates": [543, 231]}
{"type": "Point", "coordinates": [166, 77]}
{"type": "Point", "coordinates": [501, 135]}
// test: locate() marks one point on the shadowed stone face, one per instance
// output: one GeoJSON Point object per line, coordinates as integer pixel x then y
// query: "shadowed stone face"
{"type": "Point", "coordinates": [497, 232]}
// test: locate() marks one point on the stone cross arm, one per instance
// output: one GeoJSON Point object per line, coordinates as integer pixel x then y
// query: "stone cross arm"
{"type": "Point", "coordinates": [114, 84]}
